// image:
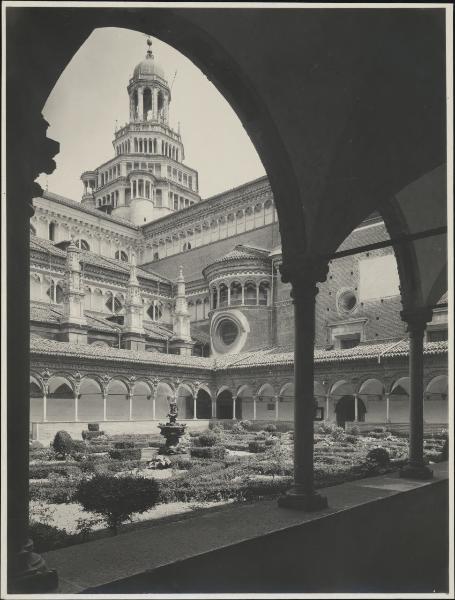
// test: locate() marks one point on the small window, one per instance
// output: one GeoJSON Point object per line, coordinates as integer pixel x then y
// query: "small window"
{"type": "Point", "coordinates": [121, 255]}
{"type": "Point", "coordinates": [83, 244]}
{"type": "Point", "coordinates": [52, 228]}
{"type": "Point", "coordinates": [350, 342]}
{"type": "Point", "coordinates": [437, 335]}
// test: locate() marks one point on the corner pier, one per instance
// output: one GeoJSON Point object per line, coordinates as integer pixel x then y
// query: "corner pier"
{"type": "Point", "coordinates": [369, 540]}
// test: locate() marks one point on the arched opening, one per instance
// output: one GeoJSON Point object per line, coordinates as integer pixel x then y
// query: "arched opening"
{"type": "Point", "coordinates": [286, 399]}
{"type": "Point", "coordinates": [223, 295]}
{"type": "Point", "coordinates": [345, 410]}
{"type": "Point", "coordinates": [60, 400]}
{"type": "Point", "coordinates": [117, 403]}
{"type": "Point", "coordinates": [203, 404]}
{"type": "Point", "coordinates": [164, 395]}
{"type": "Point", "coordinates": [236, 293]}
{"type": "Point", "coordinates": [224, 405]}
{"type": "Point", "coordinates": [52, 231]}
{"type": "Point", "coordinates": [36, 401]}
{"type": "Point", "coordinates": [185, 403]}
{"type": "Point", "coordinates": [320, 404]}
{"type": "Point", "coordinates": [142, 409]}
{"type": "Point", "coordinates": [55, 293]}
{"type": "Point", "coordinates": [250, 294]}
{"type": "Point", "coordinates": [371, 393]}
{"type": "Point", "coordinates": [343, 395]}
{"type": "Point", "coordinates": [214, 298]}
{"type": "Point", "coordinates": [91, 402]}
{"type": "Point", "coordinates": [121, 255]}
{"type": "Point", "coordinates": [113, 303]}
{"type": "Point", "coordinates": [245, 399]}
{"type": "Point", "coordinates": [83, 244]}
{"type": "Point", "coordinates": [264, 293]}
{"type": "Point", "coordinates": [399, 401]}
{"type": "Point", "coordinates": [265, 406]}
{"type": "Point", "coordinates": [435, 400]}
{"type": "Point", "coordinates": [147, 105]}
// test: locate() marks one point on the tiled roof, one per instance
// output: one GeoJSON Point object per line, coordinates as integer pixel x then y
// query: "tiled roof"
{"type": "Point", "coordinates": [43, 245]}
{"type": "Point", "coordinates": [96, 260]}
{"type": "Point", "coordinates": [52, 313]}
{"type": "Point", "coordinates": [199, 335]}
{"type": "Point", "coordinates": [361, 352]}
{"type": "Point", "coordinates": [242, 252]}
{"type": "Point", "coordinates": [159, 332]}
{"type": "Point", "coordinates": [91, 211]}
{"type": "Point", "coordinates": [41, 347]}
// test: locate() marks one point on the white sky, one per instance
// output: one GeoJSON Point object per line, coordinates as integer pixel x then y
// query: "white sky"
{"type": "Point", "coordinates": [91, 95]}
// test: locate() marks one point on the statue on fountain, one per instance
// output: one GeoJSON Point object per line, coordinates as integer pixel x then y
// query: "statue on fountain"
{"type": "Point", "coordinates": [172, 431]}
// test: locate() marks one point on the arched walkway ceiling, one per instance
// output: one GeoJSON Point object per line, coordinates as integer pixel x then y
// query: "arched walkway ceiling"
{"type": "Point", "coordinates": [345, 108]}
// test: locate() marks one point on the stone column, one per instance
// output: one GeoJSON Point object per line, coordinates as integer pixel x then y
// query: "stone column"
{"type": "Point", "coordinates": [327, 406]}
{"type": "Point", "coordinates": [277, 405]}
{"type": "Point", "coordinates": [45, 393]}
{"type": "Point", "coordinates": [416, 320]}
{"type": "Point", "coordinates": [254, 408]}
{"type": "Point", "coordinates": [76, 405]}
{"type": "Point", "coordinates": [303, 272]}
{"type": "Point", "coordinates": [356, 408]}
{"type": "Point", "coordinates": [234, 399]}
{"type": "Point", "coordinates": [104, 404]}
{"type": "Point", "coordinates": [387, 407]}
{"type": "Point", "coordinates": [130, 401]}
{"type": "Point", "coordinates": [214, 409]}
{"type": "Point", "coordinates": [229, 295]}
{"type": "Point", "coordinates": [243, 294]}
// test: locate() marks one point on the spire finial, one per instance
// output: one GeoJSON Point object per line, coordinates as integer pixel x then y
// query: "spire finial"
{"type": "Point", "coordinates": [149, 51]}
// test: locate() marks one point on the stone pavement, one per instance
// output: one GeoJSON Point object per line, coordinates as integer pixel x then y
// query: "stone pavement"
{"type": "Point", "coordinates": [113, 558]}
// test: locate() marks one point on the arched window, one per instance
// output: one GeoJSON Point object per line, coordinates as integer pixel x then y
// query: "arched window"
{"type": "Point", "coordinates": [187, 246]}
{"type": "Point", "coordinates": [236, 293]}
{"type": "Point", "coordinates": [55, 293]}
{"type": "Point", "coordinates": [147, 99]}
{"type": "Point", "coordinates": [82, 244]}
{"type": "Point", "coordinates": [155, 311]}
{"type": "Point", "coordinates": [113, 304]}
{"type": "Point", "coordinates": [223, 295]}
{"type": "Point", "coordinates": [250, 293]}
{"type": "Point", "coordinates": [52, 229]}
{"type": "Point", "coordinates": [264, 294]}
{"type": "Point", "coordinates": [121, 255]}
{"type": "Point", "coordinates": [214, 298]}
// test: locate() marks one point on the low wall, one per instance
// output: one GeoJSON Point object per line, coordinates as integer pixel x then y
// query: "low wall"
{"type": "Point", "coordinates": [429, 428]}
{"type": "Point", "coordinates": [394, 544]}
{"type": "Point", "coordinates": [45, 432]}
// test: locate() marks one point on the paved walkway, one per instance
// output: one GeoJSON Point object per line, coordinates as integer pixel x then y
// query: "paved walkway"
{"type": "Point", "coordinates": [113, 558]}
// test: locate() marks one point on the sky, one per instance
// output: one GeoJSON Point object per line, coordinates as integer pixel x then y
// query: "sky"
{"type": "Point", "coordinates": [90, 97]}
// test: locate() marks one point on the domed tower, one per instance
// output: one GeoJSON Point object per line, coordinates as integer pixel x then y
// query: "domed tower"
{"type": "Point", "coordinates": [146, 179]}
{"type": "Point", "coordinates": [240, 285]}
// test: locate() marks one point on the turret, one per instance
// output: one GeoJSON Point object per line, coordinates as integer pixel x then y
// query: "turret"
{"type": "Point", "coordinates": [133, 330]}
{"type": "Point", "coordinates": [73, 323]}
{"type": "Point", "coordinates": [181, 339]}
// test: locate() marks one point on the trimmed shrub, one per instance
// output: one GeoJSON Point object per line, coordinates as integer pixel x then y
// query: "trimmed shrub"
{"type": "Point", "coordinates": [215, 425]}
{"type": "Point", "coordinates": [38, 472]}
{"type": "Point", "coordinates": [98, 449]}
{"type": "Point", "coordinates": [351, 439]}
{"type": "Point", "coordinates": [42, 454]}
{"type": "Point", "coordinates": [206, 440]}
{"type": "Point", "coordinates": [52, 492]}
{"type": "Point", "coordinates": [117, 498]}
{"type": "Point", "coordinates": [79, 447]}
{"type": "Point", "coordinates": [93, 426]}
{"type": "Point", "coordinates": [380, 456]}
{"type": "Point", "coordinates": [46, 537]}
{"type": "Point", "coordinates": [90, 435]}
{"type": "Point", "coordinates": [246, 425]}
{"type": "Point", "coordinates": [271, 428]}
{"type": "Point", "coordinates": [256, 446]}
{"type": "Point", "coordinates": [125, 454]}
{"type": "Point", "coordinates": [182, 463]}
{"type": "Point", "coordinates": [63, 443]}
{"type": "Point", "coordinates": [208, 452]}
{"type": "Point", "coordinates": [123, 445]}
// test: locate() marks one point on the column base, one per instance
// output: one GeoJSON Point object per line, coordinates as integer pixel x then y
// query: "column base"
{"type": "Point", "coordinates": [29, 575]}
{"type": "Point", "coordinates": [416, 472]}
{"type": "Point", "coordinates": [300, 501]}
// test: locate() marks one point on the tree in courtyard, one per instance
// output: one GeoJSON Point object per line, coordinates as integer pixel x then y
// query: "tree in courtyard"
{"type": "Point", "coordinates": [117, 498]}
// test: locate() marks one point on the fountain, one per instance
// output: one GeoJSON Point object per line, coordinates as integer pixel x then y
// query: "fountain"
{"type": "Point", "coordinates": [172, 431]}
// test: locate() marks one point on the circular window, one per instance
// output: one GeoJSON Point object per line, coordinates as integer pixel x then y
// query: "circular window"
{"type": "Point", "coordinates": [347, 301]}
{"type": "Point", "coordinates": [228, 331]}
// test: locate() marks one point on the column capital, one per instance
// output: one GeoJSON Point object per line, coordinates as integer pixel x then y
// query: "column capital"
{"type": "Point", "coordinates": [303, 272]}
{"type": "Point", "coordinates": [416, 318]}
